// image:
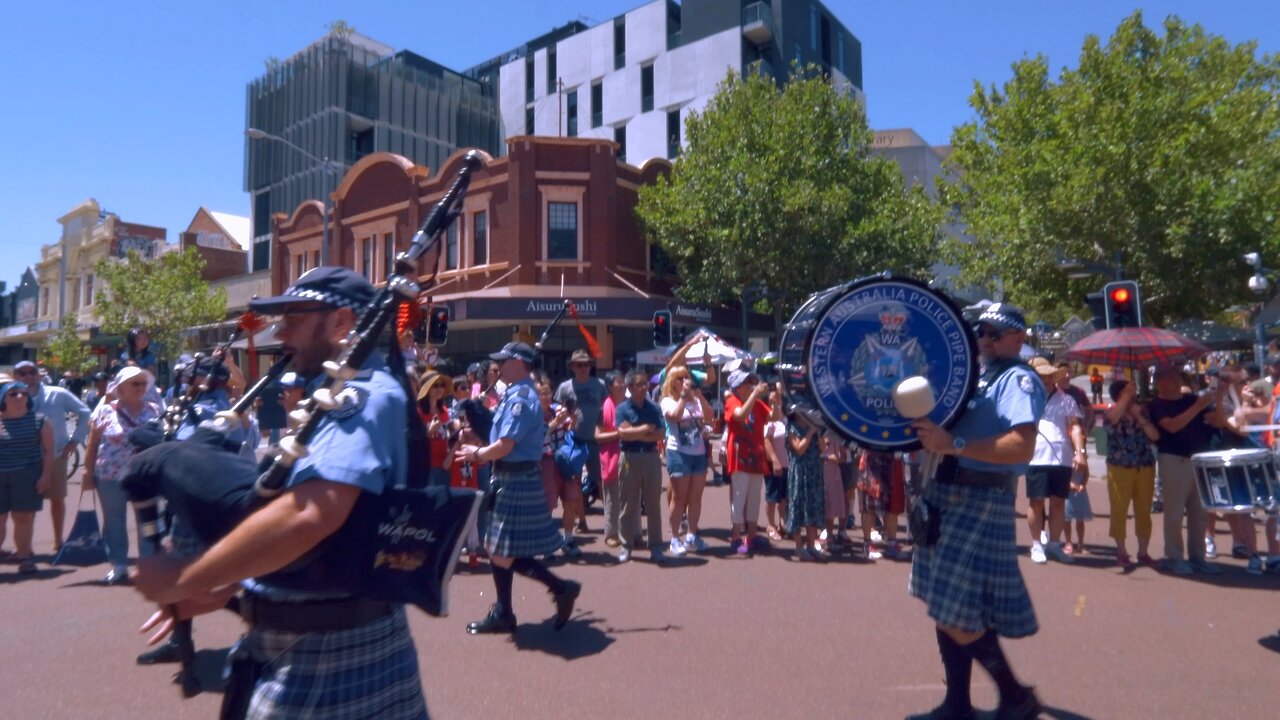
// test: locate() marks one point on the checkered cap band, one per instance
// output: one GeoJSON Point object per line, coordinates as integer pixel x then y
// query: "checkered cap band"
{"type": "Point", "coordinates": [328, 298]}
{"type": "Point", "coordinates": [1004, 316]}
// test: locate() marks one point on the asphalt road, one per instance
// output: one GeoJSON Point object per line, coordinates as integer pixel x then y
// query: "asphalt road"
{"type": "Point", "coordinates": [712, 637]}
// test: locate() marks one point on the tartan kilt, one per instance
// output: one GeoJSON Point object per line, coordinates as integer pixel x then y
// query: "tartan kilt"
{"type": "Point", "coordinates": [520, 525]}
{"type": "Point", "coordinates": [370, 671]}
{"type": "Point", "coordinates": [970, 579]}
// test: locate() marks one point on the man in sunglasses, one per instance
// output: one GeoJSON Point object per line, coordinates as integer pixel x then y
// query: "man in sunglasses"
{"type": "Point", "coordinates": [969, 577]}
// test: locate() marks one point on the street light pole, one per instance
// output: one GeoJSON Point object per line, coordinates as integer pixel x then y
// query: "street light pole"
{"type": "Point", "coordinates": [327, 165]}
{"type": "Point", "coordinates": [750, 293]}
{"type": "Point", "coordinates": [1259, 284]}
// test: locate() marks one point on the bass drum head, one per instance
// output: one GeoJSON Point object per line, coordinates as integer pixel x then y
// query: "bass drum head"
{"type": "Point", "coordinates": [847, 347]}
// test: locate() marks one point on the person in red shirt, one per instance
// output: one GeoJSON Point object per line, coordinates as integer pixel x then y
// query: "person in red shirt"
{"type": "Point", "coordinates": [745, 416]}
{"type": "Point", "coordinates": [431, 392]}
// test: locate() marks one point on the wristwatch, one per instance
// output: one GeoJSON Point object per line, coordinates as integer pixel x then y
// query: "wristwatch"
{"type": "Point", "coordinates": [958, 444]}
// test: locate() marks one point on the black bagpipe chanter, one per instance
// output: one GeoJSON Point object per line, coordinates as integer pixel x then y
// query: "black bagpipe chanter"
{"type": "Point", "coordinates": [400, 546]}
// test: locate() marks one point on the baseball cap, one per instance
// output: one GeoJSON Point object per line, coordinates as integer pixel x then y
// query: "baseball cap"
{"type": "Point", "coordinates": [336, 286]}
{"type": "Point", "coordinates": [24, 365]}
{"type": "Point", "coordinates": [738, 377]}
{"type": "Point", "coordinates": [514, 350]}
{"type": "Point", "coordinates": [1003, 316]}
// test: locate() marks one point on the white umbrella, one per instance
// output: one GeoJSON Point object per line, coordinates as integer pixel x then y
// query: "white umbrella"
{"type": "Point", "coordinates": [720, 351]}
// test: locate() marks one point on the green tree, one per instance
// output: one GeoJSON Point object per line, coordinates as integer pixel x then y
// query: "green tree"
{"type": "Point", "coordinates": [1160, 150]}
{"type": "Point", "coordinates": [776, 187]}
{"type": "Point", "coordinates": [165, 295]}
{"type": "Point", "coordinates": [340, 28]}
{"type": "Point", "coordinates": [64, 350]}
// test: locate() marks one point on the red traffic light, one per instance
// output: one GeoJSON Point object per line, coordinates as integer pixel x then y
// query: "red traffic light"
{"type": "Point", "coordinates": [440, 315]}
{"type": "Point", "coordinates": [660, 320]}
{"type": "Point", "coordinates": [1120, 295]}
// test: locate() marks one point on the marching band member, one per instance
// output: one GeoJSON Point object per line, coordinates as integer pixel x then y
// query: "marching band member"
{"type": "Point", "coordinates": [520, 527]}
{"type": "Point", "coordinates": [969, 578]}
{"type": "Point", "coordinates": [311, 651]}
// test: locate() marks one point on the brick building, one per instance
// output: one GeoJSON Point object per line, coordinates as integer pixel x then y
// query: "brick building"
{"type": "Point", "coordinates": [552, 218]}
{"type": "Point", "coordinates": [221, 239]}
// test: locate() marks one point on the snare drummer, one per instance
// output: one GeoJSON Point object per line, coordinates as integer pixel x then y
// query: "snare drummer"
{"type": "Point", "coordinates": [1186, 423]}
{"type": "Point", "coordinates": [1253, 410]}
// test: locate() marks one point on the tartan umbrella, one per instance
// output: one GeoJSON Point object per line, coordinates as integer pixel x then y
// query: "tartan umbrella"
{"type": "Point", "coordinates": [1137, 348]}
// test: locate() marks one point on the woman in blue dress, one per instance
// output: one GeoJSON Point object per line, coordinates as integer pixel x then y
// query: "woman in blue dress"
{"type": "Point", "coordinates": [805, 491]}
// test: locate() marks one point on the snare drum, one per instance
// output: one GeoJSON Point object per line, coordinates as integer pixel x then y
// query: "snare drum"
{"type": "Point", "coordinates": [846, 348]}
{"type": "Point", "coordinates": [1236, 481]}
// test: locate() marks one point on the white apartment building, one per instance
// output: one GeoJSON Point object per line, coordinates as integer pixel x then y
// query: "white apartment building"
{"type": "Point", "coordinates": [636, 78]}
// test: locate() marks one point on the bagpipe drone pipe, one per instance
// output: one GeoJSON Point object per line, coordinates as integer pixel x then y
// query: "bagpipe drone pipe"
{"type": "Point", "coordinates": [398, 546]}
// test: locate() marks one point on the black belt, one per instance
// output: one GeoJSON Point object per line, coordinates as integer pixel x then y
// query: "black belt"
{"type": "Point", "coordinates": [515, 465]}
{"type": "Point", "coordinates": [980, 478]}
{"type": "Point", "coordinates": [311, 616]}
{"type": "Point", "coordinates": [645, 449]}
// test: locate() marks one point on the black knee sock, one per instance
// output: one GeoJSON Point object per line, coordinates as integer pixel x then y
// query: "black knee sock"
{"type": "Point", "coordinates": [535, 570]}
{"type": "Point", "coordinates": [959, 668]}
{"type": "Point", "coordinates": [502, 579]}
{"type": "Point", "coordinates": [986, 650]}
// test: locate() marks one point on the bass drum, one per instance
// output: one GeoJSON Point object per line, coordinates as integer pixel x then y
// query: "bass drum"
{"type": "Point", "coordinates": [847, 347]}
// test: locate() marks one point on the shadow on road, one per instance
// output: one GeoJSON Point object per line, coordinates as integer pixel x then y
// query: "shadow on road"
{"type": "Point", "coordinates": [207, 669]}
{"type": "Point", "coordinates": [43, 572]}
{"type": "Point", "coordinates": [1271, 642]}
{"type": "Point", "coordinates": [1060, 714]}
{"type": "Point", "coordinates": [578, 639]}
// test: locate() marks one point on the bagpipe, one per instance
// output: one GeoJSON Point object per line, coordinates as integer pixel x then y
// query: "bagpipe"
{"type": "Point", "coordinates": [399, 546]}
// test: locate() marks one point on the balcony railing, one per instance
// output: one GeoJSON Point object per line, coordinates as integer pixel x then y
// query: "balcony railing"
{"type": "Point", "coordinates": [757, 23]}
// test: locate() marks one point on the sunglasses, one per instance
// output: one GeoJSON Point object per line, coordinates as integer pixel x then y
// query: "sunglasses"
{"type": "Point", "coordinates": [16, 393]}
{"type": "Point", "coordinates": [985, 333]}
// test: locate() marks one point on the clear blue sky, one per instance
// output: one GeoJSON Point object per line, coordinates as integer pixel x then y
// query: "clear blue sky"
{"type": "Point", "coordinates": [141, 104]}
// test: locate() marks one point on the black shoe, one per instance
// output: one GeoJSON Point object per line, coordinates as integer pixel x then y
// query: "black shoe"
{"type": "Point", "coordinates": [117, 576]}
{"type": "Point", "coordinates": [564, 602]}
{"type": "Point", "coordinates": [1026, 708]}
{"type": "Point", "coordinates": [493, 623]}
{"type": "Point", "coordinates": [944, 712]}
{"type": "Point", "coordinates": [170, 652]}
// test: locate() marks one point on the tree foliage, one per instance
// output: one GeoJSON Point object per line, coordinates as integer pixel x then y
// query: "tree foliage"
{"type": "Point", "coordinates": [64, 350]}
{"type": "Point", "coordinates": [776, 187]}
{"type": "Point", "coordinates": [1163, 150]}
{"type": "Point", "coordinates": [165, 295]}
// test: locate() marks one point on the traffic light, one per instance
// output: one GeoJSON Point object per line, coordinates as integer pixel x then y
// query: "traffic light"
{"type": "Point", "coordinates": [1098, 307]}
{"type": "Point", "coordinates": [438, 325]}
{"type": "Point", "coordinates": [661, 328]}
{"type": "Point", "coordinates": [1124, 307]}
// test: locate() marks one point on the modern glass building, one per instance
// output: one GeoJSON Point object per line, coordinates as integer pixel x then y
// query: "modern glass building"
{"type": "Point", "coordinates": [341, 98]}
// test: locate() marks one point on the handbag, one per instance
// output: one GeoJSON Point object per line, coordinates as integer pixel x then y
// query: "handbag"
{"type": "Point", "coordinates": [84, 545]}
{"type": "Point", "coordinates": [571, 456]}
{"type": "Point", "coordinates": [924, 519]}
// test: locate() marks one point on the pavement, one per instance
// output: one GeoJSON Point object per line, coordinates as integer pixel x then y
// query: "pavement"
{"type": "Point", "coordinates": [712, 636]}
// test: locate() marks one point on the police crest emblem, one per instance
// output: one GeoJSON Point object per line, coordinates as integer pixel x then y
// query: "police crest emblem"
{"type": "Point", "coordinates": [847, 347]}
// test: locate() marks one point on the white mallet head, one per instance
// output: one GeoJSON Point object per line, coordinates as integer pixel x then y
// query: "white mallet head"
{"type": "Point", "coordinates": [913, 397]}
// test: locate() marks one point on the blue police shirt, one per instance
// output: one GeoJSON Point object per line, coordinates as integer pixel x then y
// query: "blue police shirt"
{"type": "Point", "coordinates": [519, 417]}
{"type": "Point", "coordinates": [1016, 397]}
{"type": "Point", "coordinates": [361, 443]}
{"type": "Point", "coordinates": [204, 409]}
